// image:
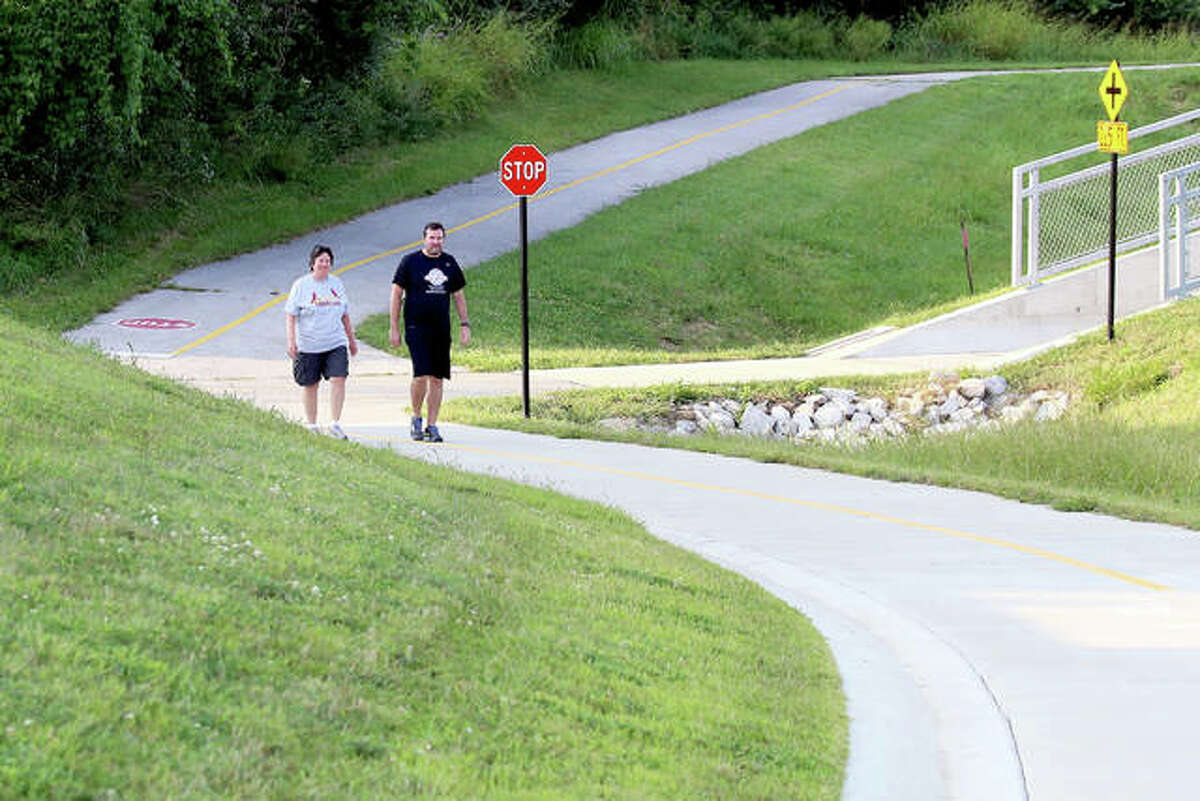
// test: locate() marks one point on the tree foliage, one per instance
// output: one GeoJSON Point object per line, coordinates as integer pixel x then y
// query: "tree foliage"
{"type": "Point", "coordinates": [1143, 15]}
{"type": "Point", "coordinates": [78, 79]}
{"type": "Point", "coordinates": [88, 85]}
{"type": "Point", "coordinates": [91, 90]}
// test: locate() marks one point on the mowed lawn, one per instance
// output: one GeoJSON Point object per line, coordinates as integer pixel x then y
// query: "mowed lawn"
{"type": "Point", "coordinates": [199, 599]}
{"type": "Point", "coordinates": [161, 233]}
{"type": "Point", "coordinates": [846, 226]}
{"type": "Point", "coordinates": [1127, 447]}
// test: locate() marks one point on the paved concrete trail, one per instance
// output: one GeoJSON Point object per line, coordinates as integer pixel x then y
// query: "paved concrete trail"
{"type": "Point", "coordinates": [236, 305]}
{"type": "Point", "coordinates": [990, 649]}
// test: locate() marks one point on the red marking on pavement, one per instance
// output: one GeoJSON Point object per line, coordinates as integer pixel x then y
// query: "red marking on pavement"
{"type": "Point", "coordinates": [155, 323]}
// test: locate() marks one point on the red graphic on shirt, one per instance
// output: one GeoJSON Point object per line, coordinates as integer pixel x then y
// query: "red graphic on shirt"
{"type": "Point", "coordinates": [317, 300]}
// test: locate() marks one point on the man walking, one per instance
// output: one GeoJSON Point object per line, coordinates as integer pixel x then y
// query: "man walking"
{"type": "Point", "coordinates": [425, 282]}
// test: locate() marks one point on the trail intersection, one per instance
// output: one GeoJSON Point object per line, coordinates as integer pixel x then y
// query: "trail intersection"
{"type": "Point", "coordinates": [990, 649]}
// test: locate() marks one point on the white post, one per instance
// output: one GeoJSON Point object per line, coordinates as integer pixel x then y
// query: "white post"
{"type": "Point", "coordinates": [1164, 246]}
{"type": "Point", "coordinates": [1185, 198]}
{"type": "Point", "coordinates": [1018, 214]}
{"type": "Point", "coordinates": [1034, 225]}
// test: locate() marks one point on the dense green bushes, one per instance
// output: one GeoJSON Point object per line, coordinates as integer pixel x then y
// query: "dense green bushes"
{"type": "Point", "coordinates": [80, 80]}
{"type": "Point", "coordinates": [109, 105]}
{"type": "Point", "coordinates": [91, 90]}
{"type": "Point", "coordinates": [1142, 15]}
{"type": "Point", "coordinates": [451, 76]}
{"type": "Point", "coordinates": [120, 85]}
{"type": "Point", "coordinates": [1012, 30]}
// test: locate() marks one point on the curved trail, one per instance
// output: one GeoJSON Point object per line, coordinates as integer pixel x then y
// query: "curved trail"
{"type": "Point", "coordinates": [236, 305]}
{"type": "Point", "coordinates": [989, 649]}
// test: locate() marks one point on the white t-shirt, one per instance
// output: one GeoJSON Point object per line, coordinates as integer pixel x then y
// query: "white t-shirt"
{"type": "Point", "coordinates": [318, 307]}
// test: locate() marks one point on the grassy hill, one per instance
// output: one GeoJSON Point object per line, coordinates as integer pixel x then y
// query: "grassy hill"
{"type": "Point", "coordinates": [847, 226]}
{"type": "Point", "coordinates": [199, 599]}
{"type": "Point", "coordinates": [1128, 447]}
{"type": "Point", "coordinates": [166, 230]}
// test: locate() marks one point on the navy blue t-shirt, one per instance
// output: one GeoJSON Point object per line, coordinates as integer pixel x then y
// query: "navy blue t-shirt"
{"type": "Point", "coordinates": [428, 282]}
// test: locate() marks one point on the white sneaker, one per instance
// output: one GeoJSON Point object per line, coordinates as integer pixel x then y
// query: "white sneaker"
{"type": "Point", "coordinates": [335, 431]}
{"type": "Point", "coordinates": [313, 428]}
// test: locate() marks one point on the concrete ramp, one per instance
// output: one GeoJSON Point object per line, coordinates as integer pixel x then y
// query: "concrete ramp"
{"type": "Point", "coordinates": [1028, 319]}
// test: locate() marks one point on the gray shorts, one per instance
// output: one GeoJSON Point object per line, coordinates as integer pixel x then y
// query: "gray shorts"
{"type": "Point", "coordinates": [309, 368]}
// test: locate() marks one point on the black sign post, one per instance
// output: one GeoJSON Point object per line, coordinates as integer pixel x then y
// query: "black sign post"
{"type": "Point", "coordinates": [524, 201]}
{"type": "Point", "coordinates": [1113, 137]}
{"type": "Point", "coordinates": [1112, 245]}
{"type": "Point", "coordinates": [523, 171]}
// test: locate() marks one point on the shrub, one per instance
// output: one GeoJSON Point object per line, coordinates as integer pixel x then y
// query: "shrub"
{"type": "Point", "coordinates": [80, 81]}
{"type": "Point", "coordinates": [1140, 15]}
{"type": "Point", "coordinates": [745, 37]}
{"type": "Point", "coordinates": [866, 38]}
{"type": "Point", "coordinates": [987, 29]}
{"type": "Point", "coordinates": [714, 37]}
{"type": "Point", "coordinates": [452, 74]}
{"type": "Point", "coordinates": [600, 44]}
{"type": "Point", "coordinates": [804, 35]}
{"type": "Point", "coordinates": [31, 250]}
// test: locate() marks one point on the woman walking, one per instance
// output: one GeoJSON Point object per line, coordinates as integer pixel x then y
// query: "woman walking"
{"type": "Point", "coordinates": [319, 333]}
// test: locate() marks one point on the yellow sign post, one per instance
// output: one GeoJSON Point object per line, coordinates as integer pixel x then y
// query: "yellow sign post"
{"type": "Point", "coordinates": [1112, 137]}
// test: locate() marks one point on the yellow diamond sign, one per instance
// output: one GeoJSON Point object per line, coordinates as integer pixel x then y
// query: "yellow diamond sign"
{"type": "Point", "coordinates": [1113, 91]}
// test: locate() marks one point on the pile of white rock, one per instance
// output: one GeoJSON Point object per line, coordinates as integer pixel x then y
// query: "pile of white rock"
{"type": "Point", "coordinates": [832, 414]}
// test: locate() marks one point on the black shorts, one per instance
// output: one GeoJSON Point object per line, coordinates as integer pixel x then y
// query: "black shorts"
{"type": "Point", "coordinates": [429, 347]}
{"type": "Point", "coordinates": [309, 368]}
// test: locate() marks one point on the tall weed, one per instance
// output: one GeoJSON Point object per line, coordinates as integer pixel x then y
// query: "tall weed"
{"type": "Point", "coordinates": [36, 249]}
{"type": "Point", "coordinates": [676, 32]}
{"type": "Point", "coordinates": [452, 74]}
{"type": "Point", "coordinates": [1014, 30]}
{"type": "Point", "coordinates": [512, 51]}
{"type": "Point", "coordinates": [602, 44]}
{"type": "Point", "coordinates": [973, 29]}
{"type": "Point", "coordinates": [803, 35]}
{"type": "Point", "coordinates": [1179, 43]}
{"type": "Point", "coordinates": [1122, 381]}
{"type": "Point", "coordinates": [867, 38]}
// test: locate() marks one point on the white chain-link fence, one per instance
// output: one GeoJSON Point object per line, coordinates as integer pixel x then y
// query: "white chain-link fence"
{"type": "Point", "coordinates": [1064, 222]}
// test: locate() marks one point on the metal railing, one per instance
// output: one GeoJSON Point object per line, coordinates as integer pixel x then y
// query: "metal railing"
{"type": "Point", "coordinates": [1062, 223]}
{"type": "Point", "coordinates": [1178, 218]}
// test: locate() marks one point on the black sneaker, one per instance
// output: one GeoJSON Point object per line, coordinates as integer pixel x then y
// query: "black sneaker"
{"type": "Point", "coordinates": [415, 430]}
{"type": "Point", "coordinates": [432, 435]}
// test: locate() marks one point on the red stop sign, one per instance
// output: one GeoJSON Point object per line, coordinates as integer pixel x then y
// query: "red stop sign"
{"type": "Point", "coordinates": [523, 170]}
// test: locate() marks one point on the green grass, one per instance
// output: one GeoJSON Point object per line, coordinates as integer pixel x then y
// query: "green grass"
{"type": "Point", "coordinates": [844, 227]}
{"type": "Point", "coordinates": [234, 609]}
{"type": "Point", "coordinates": [167, 229]}
{"type": "Point", "coordinates": [1127, 448]}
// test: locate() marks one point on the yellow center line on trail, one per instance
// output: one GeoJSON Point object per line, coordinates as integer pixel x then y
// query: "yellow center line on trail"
{"type": "Point", "coordinates": [509, 207]}
{"type": "Point", "coordinates": [693, 139]}
{"type": "Point", "coordinates": [826, 507]}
